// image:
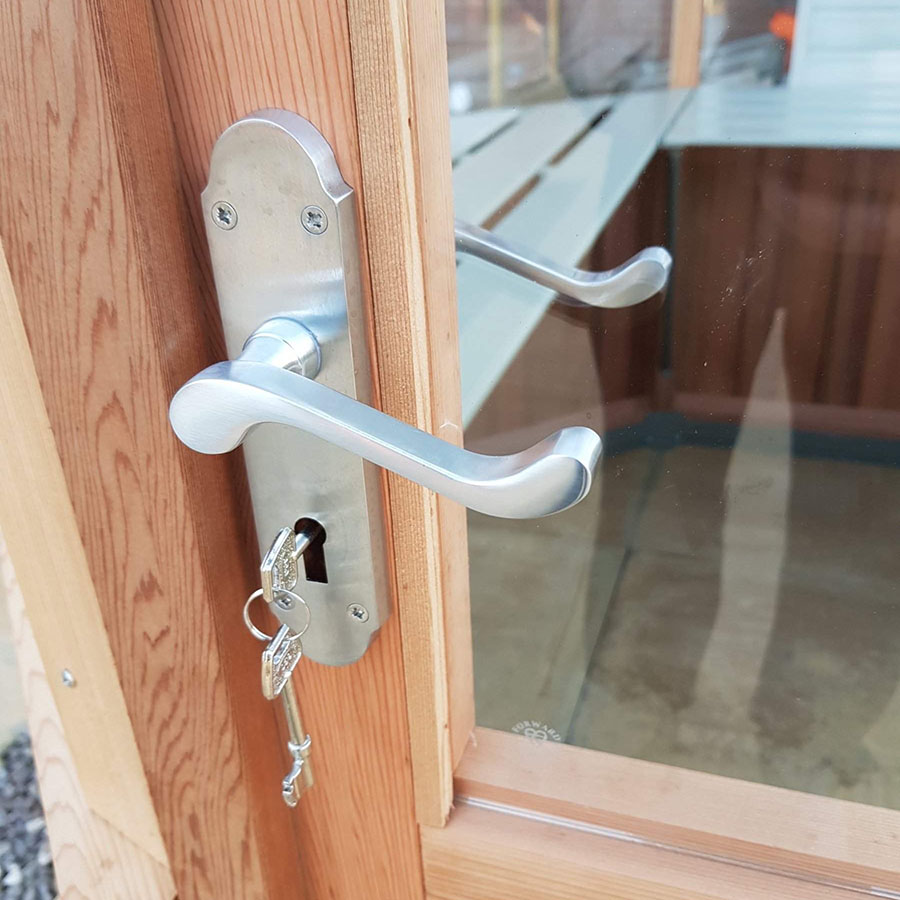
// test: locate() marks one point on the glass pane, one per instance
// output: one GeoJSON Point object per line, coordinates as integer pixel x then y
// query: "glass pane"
{"type": "Point", "coordinates": [726, 598]}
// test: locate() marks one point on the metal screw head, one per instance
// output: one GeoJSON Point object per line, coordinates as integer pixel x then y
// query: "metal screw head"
{"type": "Point", "coordinates": [224, 215]}
{"type": "Point", "coordinates": [284, 601]}
{"type": "Point", "coordinates": [68, 679]}
{"type": "Point", "coordinates": [358, 612]}
{"type": "Point", "coordinates": [313, 219]}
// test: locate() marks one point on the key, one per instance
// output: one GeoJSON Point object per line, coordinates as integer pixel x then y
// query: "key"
{"type": "Point", "coordinates": [279, 659]}
{"type": "Point", "coordinates": [300, 778]}
{"type": "Point", "coordinates": [279, 573]}
{"type": "Point", "coordinates": [279, 566]}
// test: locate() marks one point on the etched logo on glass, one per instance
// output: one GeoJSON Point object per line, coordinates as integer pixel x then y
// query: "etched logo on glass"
{"type": "Point", "coordinates": [536, 731]}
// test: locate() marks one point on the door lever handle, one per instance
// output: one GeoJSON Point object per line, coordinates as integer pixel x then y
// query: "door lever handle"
{"type": "Point", "coordinates": [273, 381]}
{"type": "Point", "coordinates": [636, 280]}
{"type": "Point", "coordinates": [283, 236]}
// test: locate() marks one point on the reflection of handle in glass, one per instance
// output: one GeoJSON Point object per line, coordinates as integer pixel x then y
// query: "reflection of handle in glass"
{"type": "Point", "coordinates": [636, 280]}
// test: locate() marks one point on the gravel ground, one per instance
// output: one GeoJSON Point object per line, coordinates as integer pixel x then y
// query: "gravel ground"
{"type": "Point", "coordinates": [26, 866]}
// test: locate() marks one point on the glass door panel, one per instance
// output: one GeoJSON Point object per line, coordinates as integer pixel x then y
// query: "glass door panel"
{"type": "Point", "coordinates": [726, 599]}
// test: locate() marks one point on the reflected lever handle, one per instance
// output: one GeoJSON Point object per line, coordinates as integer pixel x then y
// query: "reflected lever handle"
{"type": "Point", "coordinates": [636, 280]}
{"type": "Point", "coordinates": [273, 381]}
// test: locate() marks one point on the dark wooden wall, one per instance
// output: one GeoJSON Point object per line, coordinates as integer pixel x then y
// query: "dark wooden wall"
{"type": "Point", "coordinates": [814, 232]}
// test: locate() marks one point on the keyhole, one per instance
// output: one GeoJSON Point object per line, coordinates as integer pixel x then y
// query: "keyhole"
{"type": "Point", "coordinates": [314, 556]}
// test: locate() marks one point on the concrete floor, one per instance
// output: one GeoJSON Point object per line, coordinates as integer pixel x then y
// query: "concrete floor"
{"type": "Point", "coordinates": [732, 611]}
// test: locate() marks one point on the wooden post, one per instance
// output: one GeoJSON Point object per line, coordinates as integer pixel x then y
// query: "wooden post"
{"type": "Point", "coordinates": [553, 39]}
{"type": "Point", "coordinates": [495, 50]}
{"type": "Point", "coordinates": [684, 46]}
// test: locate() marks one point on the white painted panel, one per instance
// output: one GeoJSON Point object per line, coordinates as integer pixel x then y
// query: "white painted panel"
{"type": "Point", "coordinates": [789, 116]}
{"type": "Point", "coordinates": [560, 218]}
{"type": "Point", "coordinates": [844, 42]}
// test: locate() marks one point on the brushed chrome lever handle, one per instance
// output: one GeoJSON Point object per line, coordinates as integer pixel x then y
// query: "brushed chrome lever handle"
{"type": "Point", "coordinates": [270, 382]}
{"type": "Point", "coordinates": [636, 280]}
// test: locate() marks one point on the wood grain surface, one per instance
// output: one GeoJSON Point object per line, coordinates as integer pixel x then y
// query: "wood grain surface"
{"type": "Point", "coordinates": [116, 116]}
{"type": "Point", "coordinates": [807, 836]}
{"type": "Point", "coordinates": [63, 610]}
{"type": "Point", "coordinates": [399, 64]}
{"type": "Point", "coordinates": [105, 273]}
{"type": "Point", "coordinates": [488, 855]}
{"type": "Point", "coordinates": [91, 857]}
{"type": "Point", "coordinates": [358, 825]}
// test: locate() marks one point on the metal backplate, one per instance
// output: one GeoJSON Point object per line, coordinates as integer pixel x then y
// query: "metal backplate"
{"type": "Point", "coordinates": [282, 233]}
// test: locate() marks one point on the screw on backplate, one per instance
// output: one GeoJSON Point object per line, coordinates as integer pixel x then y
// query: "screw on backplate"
{"type": "Point", "coordinates": [284, 601]}
{"type": "Point", "coordinates": [313, 219]}
{"type": "Point", "coordinates": [224, 215]}
{"type": "Point", "coordinates": [68, 679]}
{"type": "Point", "coordinates": [360, 613]}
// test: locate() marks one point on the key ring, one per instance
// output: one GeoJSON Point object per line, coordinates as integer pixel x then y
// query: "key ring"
{"type": "Point", "coordinates": [261, 635]}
